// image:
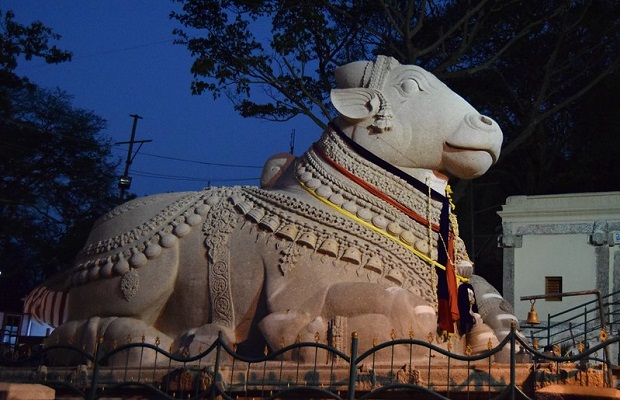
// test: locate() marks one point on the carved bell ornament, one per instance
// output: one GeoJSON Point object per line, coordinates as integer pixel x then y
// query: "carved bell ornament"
{"type": "Point", "coordinates": [532, 316]}
{"type": "Point", "coordinates": [465, 269]}
{"type": "Point", "coordinates": [256, 214]}
{"type": "Point", "coordinates": [329, 247]}
{"type": "Point", "coordinates": [244, 206]}
{"type": "Point", "coordinates": [288, 232]}
{"type": "Point", "coordinates": [271, 223]}
{"type": "Point", "coordinates": [352, 255]}
{"type": "Point", "coordinates": [374, 264]}
{"type": "Point", "coordinates": [308, 239]}
{"type": "Point", "coordinates": [395, 276]}
{"type": "Point", "coordinates": [481, 338]}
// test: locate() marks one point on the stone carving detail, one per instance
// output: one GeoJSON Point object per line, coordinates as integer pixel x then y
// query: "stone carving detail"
{"type": "Point", "coordinates": [349, 237]}
{"type": "Point", "coordinates": [408, 374]}
{"type": "Point", "coordinates": [129, 284]}
{"type": "Point", "coordinates": [337, 334]}
{"type": "Point", "coordinates": [219, 224]}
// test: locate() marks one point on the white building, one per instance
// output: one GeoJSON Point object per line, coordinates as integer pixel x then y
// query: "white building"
{"type": "Point", "coordinates": [560, 243]}
{"type": "Point", "coordinates": [18, 328]}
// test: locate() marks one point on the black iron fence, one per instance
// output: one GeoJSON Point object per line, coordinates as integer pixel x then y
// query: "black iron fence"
{"type": "Point", "coordinates": [325, 372]}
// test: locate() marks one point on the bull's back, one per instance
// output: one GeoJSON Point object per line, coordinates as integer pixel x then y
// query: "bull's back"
{"type": "Point", "coordinates": [129, 263]}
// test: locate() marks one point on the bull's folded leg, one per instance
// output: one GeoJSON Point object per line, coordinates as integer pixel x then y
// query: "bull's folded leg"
{"type": "Point", "coordinates": [198, 340]}
{"type": "Point", "coordinates": [124, 330]}
{"type": "Point", "coordinates": [113, 332]}
{"type": "Point", "coordinates": [287, 327]}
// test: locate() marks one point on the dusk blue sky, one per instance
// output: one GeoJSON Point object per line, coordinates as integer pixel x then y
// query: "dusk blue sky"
{"type": "Point", "coordinates": [125, 62]}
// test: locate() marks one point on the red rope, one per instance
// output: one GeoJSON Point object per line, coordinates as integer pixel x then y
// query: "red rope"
{"type": "Point", "coordinates": [373, 190]}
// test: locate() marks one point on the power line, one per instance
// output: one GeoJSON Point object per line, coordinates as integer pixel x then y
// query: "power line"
{"type": "Point", "coordinates": [145, 174]}
{"type": "Point", "coordinates": [201, 162]}
{"type": "Point", "coordinates": [118, 148]}
{"type": "Point", "coordinates": [101, 53]}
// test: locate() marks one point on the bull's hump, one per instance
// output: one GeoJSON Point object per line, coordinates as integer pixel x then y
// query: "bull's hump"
{"type": "Point", "coordinates": [140, 220]}
{"type": "Point", "coordinates": [137, 212]}
{"type": "Point", "coordinates": [140, 231]}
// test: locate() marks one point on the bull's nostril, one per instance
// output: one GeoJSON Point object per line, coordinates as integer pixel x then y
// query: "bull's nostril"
{"type": "Point", "coordinates": [486, 120]}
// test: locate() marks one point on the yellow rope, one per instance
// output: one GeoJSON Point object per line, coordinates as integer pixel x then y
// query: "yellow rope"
{"type": "Point", "coordinates": [374, 228]}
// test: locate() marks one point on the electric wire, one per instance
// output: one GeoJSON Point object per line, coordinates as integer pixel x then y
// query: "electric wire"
{"type": "Point", "coordinates": [145, 174]}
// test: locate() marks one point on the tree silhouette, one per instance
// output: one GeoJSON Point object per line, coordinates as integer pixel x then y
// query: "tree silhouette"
{"type": "Point", "coordinates": [56, 173]}
{"type": "Point", "coordinates": [536, 66]}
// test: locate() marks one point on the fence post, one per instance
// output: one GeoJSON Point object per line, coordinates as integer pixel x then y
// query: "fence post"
{"type": "Point", "coordinates": [585, 326]}
{"type": "Point", "coordinates": [216, 367]}
{"type": "Point", "coordinates": [513, 359]}
{"type": "Point", "coordinates": [95, 379]}
{"type": "Point", "coordinates": [353, 366]}
{"type": "Point", "coordinates": [548, 329]}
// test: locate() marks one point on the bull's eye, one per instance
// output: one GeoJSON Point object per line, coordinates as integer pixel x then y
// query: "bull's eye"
{"type": "Point", "coordinates": [409, 86]}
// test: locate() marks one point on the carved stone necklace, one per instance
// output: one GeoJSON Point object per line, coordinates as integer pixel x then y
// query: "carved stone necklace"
{"type": "Point", "coordinates": [387, 201]}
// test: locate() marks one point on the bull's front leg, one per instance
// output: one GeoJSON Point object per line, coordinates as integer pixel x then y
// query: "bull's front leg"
{"type": "Point", "coordinates": [286, 327]}
{"type": "Point", "coordinates": [112, 332]}
{"type": "Point", "coordinates": [375, 313]}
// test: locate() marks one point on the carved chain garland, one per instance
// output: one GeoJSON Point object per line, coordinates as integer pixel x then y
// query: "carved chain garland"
{"type": "Point", "coordinates": [374, 256]}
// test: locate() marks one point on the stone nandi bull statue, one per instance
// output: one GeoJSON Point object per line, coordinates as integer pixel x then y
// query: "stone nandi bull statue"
{"type": "Point", "coordinates": [355, 235]}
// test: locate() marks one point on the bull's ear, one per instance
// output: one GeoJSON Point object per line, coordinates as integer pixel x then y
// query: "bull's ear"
{"type": "Point", "coordinates": [356, 103]}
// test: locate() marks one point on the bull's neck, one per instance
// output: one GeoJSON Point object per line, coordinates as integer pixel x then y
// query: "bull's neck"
{"type": "Point", "coordinates": [338, 168]}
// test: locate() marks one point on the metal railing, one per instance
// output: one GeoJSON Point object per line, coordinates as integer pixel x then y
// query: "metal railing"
{"type": "Point", "coordinates": [325, 372]}
{"type": "Point", "coordinates": [581, 323]}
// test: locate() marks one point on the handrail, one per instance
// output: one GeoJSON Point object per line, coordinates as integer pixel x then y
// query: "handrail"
{"type": "Point", "coordinates": [587, 303]}
{"type": "Point", "coordinates": [581, 321]}
{"type": "Point", "coordinates": [601, 313]}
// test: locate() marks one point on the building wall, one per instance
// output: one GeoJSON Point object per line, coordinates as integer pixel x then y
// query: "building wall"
{"type": "Point", "coordinates": [568, 256]}
{"type": "Point", "coordinates": [559, 235]}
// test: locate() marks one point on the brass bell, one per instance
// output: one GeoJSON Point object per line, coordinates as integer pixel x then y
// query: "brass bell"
{"type": "Point", "coordinates": [532, 316]}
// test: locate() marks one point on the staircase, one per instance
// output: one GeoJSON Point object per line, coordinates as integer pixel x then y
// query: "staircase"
{"type": "Point", "coordinates": [580, 328]}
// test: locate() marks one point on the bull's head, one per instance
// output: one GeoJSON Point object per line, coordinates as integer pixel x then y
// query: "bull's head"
{"type": "Point", "coordinates": [409, 118]}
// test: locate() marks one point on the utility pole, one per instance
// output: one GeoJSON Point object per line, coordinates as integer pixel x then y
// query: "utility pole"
{"type": "Point", "coordinates": [293, 141]}
{"type": "Point", "coordinates": [125, 182]}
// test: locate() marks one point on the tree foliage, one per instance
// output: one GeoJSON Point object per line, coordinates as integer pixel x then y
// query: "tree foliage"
{"type": "Point", "coordinates": [523, 62]}
{"type": "Point", "coordinates": [56, 173]}
{"type": "Point", "coordinates": [538, 67]}
{"type": "Point", "coordinates": [17, 42]}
